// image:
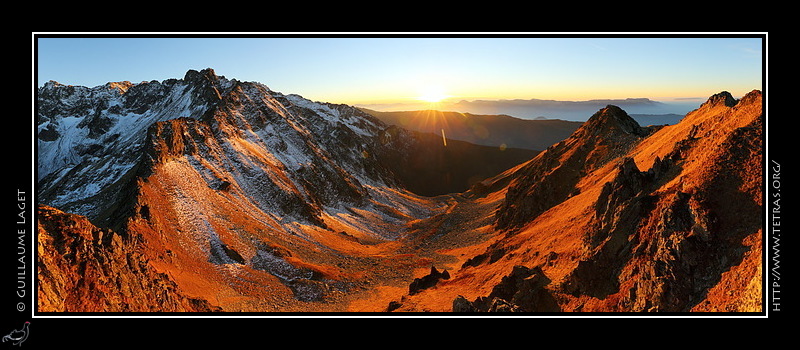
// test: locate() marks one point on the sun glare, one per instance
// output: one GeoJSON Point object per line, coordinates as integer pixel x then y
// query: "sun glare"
{"type": "Point", "coordinates": [432, 94]}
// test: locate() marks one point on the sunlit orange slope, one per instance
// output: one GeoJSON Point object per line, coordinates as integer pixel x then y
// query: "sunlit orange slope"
{"type": "Point", "coordinates": [671, 223]}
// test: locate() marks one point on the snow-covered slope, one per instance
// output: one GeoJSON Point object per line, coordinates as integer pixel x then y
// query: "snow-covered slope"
{"type": "Point", "coordinates": [89, 138]}
{"type": "Point", "coordinates": [224, 178]}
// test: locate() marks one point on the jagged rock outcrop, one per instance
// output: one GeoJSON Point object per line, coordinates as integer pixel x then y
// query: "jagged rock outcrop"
{"type": "Point", "coordinates": [83, 268]}
{"type": "Point", "coordinates": [723, 98]}
{"type": "Point", "coordinates": [522, 290]}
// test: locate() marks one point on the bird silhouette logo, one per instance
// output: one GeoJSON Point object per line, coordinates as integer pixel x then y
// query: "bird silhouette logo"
{"type": "Point", "coordinates": [18, 335]}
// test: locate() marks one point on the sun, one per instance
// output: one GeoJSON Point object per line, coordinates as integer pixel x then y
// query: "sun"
{"type": "Point", "coordinates": [432, 94]}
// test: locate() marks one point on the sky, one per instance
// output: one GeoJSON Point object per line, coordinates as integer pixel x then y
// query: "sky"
{"type": "Point", "coordinates": [386, 68]}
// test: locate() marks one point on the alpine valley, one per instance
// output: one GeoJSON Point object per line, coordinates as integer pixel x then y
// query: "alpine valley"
{"type": "Point", "coordinates": [208, 194]}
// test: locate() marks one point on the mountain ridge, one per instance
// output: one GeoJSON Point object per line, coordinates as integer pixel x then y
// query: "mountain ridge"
{"type": "Point", "coordinates": [533, 108]}
{"type": "Point", "coordinates": [662, 239]}
{"type": "Point", "coordinates": [246, 199]}
{"type": "Point", "coordinates": [556, 173]}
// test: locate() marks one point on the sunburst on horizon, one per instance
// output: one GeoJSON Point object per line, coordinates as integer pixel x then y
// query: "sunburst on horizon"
{"type": "Point", "coordinates": [432, 94]}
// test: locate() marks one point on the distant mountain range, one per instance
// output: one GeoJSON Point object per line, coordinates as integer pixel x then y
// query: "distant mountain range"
{"type": "Point", "coordinates": [668, 113]}
{"type": "Point", "coordinates": [489, 130]}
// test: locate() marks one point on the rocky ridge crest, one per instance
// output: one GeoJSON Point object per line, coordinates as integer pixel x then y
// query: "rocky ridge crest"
{"type": "Point", "coordinates": [83, 268]}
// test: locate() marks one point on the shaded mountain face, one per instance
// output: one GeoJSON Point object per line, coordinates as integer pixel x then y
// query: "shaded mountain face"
{"type": "Point", "coordinates": [429, 165]}
{"type": "Point", "coordinates": [488, 130]}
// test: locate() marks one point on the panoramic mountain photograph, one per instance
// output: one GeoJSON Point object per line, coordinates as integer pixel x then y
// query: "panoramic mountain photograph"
{"type": "Point", "coordinates": [387, 176]}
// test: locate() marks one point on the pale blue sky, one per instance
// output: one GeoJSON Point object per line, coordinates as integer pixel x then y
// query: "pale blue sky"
{"type": "Point", "coordinates": [381, 69]}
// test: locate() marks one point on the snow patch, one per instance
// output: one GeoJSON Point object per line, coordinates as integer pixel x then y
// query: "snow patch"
{"type": "Point", "coordinates": [267, 261]}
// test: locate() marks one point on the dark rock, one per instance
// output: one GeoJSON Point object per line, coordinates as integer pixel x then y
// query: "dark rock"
{"type": "Point", "coordinates": [523, 290]}
{"type": "Point", "coordinates": [50, 133]}
{"type": "Point", "coordinates": [89, 149]}
{"type": "Point", "coordinates": [233, 254]}
{"type": "Point", "coordinates": [223, 185]}
{"type": "Point", "coordinates": [500, 305]}
{"type": "Point", "coordinates": [221, 253]}
{"type": "Point", "coordinates": [427, 281]}
{"type": "Point", "coordinates": [461, 304]}
{"type": "Point", "coordinates": [393, 305]}
{"type": "Point", "coordinates": [626, 185]}
{"type": "Point", "coordinates": [144, 212]}
{"type": "Point", "coordinates": [724, 98]}
{"type": "Point", "coordinates": [492, 254]}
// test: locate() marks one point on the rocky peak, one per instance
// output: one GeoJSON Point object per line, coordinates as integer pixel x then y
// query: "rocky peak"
{"type": "Point", "coordinates": [121, 86]}
{"type": "Point", "coordinates": [207, 84]}
{"type": "Point", "coordinates": [723, 98]}
{"type": "Point", "coordinates": [610, 119]}
{"type": "Point", "coordinates": [54, 90]}
{"type": "Point", "coordinates": [51, 84]}
{"type": "Point", "coordinates": [551, 177]}
{"type": "Point", "coordinates": [204, 75]}
{"type": "Point", "coordinates": [751, 97]}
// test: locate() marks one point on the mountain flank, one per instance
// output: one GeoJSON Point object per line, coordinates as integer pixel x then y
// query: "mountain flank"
{"type": "Point", "coordinates": [664, 219]}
